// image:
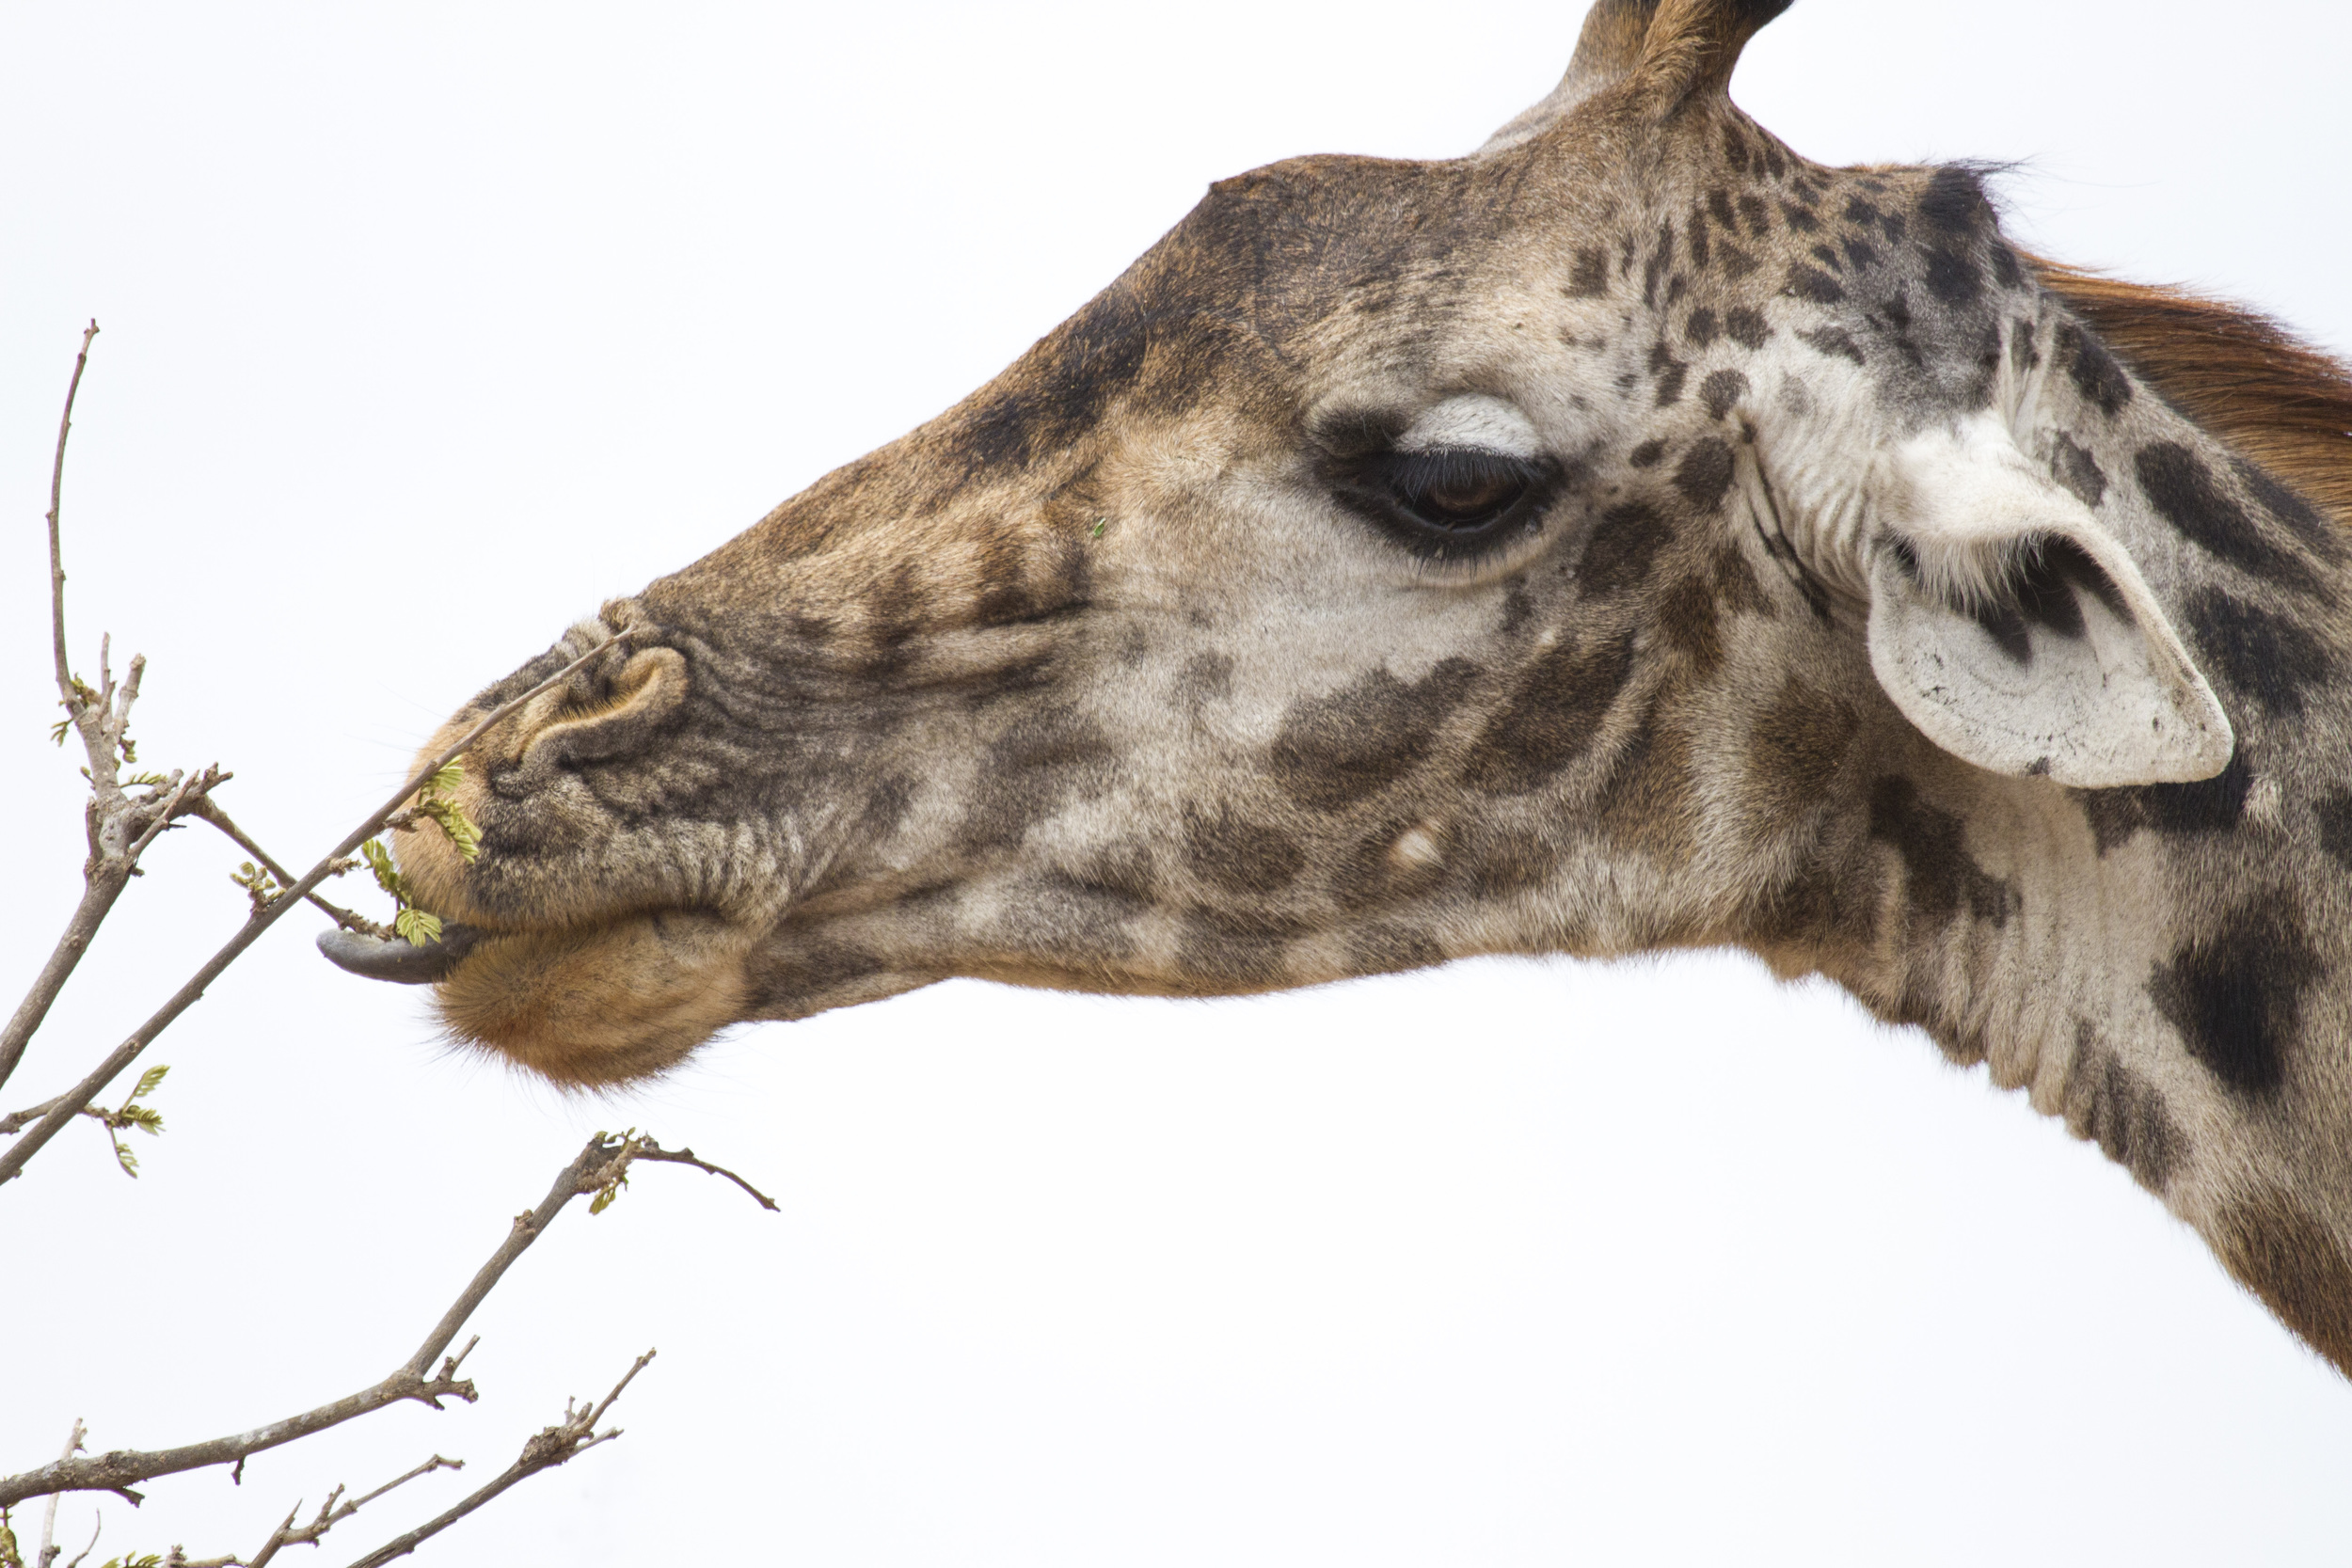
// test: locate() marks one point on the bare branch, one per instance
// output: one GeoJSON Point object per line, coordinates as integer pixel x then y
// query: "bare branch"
{"type": "Point", "coordinates": [209, 810]}
{"type": "Point", "coordinates": [63, 1109]}
{"type": "Point", "coordinates": [56, 560]}
{"type": "Point", "coordinates": [574, 1434]}
{"type": "Point", "coordinates": [49, 1549]}
{"type": "Point", "coordinates": [97, 1529]}
{"type": "Point", "coordinates": [334, 1511]}
{"type": "Point", "coordinates": [600, 1166]}
{"type": "Point", "coordinates": [685, 1157]}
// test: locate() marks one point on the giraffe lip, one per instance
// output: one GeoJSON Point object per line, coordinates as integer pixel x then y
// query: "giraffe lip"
{"type": "Point", "coordinates": [401, 963]}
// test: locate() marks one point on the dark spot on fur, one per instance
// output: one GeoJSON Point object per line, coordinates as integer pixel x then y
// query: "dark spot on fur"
{"type": "Point", "coordinates": [1238, 948]}
{"type": "Point", "coordinates": [1859, 254]}
{"type": "Point", "coordinates": [1624, 542]}
{"type": "Point", "coordinates": [1720, 390]}
{"type": "Point", "coordinates": [1670, 371]}
{"type": "Point", "coordinates": [1954, 201]}
{"type": "Point", "coordinates": [1828, 258]}
{"type": "Point", "coordinates": [2181, 488]}
{"type": "Point", "coordinates": [1518, 608]}
{"type": "Point", "coordinates": [1737, 262]}
{"type": "Point", "coordinates": [1703, 475]}
{"type": "Point", "coordinates": [1553, 715]}
{"type": "Point", "coordinates": [1590, 277]}
{"type": "Point", "coordinates": [1699, 244]}
{"type": "Point", "coordinates": [1798, 746]}
{"type": "Point", "coordinates": [1719, 208]}
{"type": "Point", "coordinates": [2093, 370]}
{"type": "Point", "coordinates": [1042, 761]}
{"type": "Point", "coordinates": [1775, 163]}
{"type": "Point", "coordinates": [1392, 949]}
{"type": "Point", "coordinates": [2335, 826]}
{"type": "Point", "coordinates": [1833, 340]}
{"type": "Point", "coordinates": [1802, 219]}
{"type": "Point", "coordinates": [2325, 537]}
{"type": "Point", "coordinates": [1206, 677]}
{"type": "Point", "coordinates": [1646, 454]}
{"type": "Point", "coordinates": [2023, 355]}
{"type": "Point", "coordinates": [1655, 268]}
{"type": "Point", "coordinates": [2128, 1119]}
{"type": "Point", "coordinates": [2263, 655]}
{"type": "Point", "coordinates": [1952, 277]}
{"type": "Point", "coordinates": [1701, 328]}
{"type": "Point", "coordinates": [1650, 802]}
{"type": "Point", "coordinates": [1859, 211]}
{"type": "Point", "coordinates": [1747, 327]}
{"type": "Point", "coordinates": [1059, 387]}
{"type": "Point", "coordinates": [1687, 617]}
{"type": "Point", "coordinates": [1334, 750]}
{"type": "Point", "coordinates": [1816, 285]}
{"type": "Point", "coordinates": [1229, 852]}
{"type": "Point", "coordinates": [1759, 217]}
{"type": "Point", "coordinates": [792, 976]}
{"type": "Point", "coordinates": [2214, 805]}
{"type": "Point", "coordinates": [2072, 466]}
{"type": "Point", "coordinates": [2005, 268]}
{"type": "Point", "coordinates": [2280, 1251]}
{"type": "Point", "coordinates": [1940, 877]}
{"type": "Point", "coordinates": [1510, 861]}
{"type": "Point", "coordinates": [2237, 993]}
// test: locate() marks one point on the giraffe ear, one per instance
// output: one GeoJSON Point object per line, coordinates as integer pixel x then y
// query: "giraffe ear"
{"type": "Point", "coordinates": [2015, 633]}
{"type": "Point", "coordinates": [1674, 47]}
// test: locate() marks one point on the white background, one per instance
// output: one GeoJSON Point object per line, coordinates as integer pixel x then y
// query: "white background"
{"type": "Point", "coordinates": [426, 327]}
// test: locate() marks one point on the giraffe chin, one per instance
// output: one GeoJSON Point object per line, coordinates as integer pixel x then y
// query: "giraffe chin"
{"type": "Point", "coordinates": [595, 1005]}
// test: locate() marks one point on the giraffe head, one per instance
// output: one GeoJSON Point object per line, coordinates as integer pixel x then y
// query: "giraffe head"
{"type": "Point", "coordinates": [1401, 560]}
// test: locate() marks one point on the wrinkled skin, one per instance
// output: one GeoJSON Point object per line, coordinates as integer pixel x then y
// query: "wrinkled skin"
{"type": "Point", "coordinates": [1121, 676]}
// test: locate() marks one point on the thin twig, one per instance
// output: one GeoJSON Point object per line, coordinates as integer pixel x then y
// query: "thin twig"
{"type": "Point", "coordinates": [97, 1529]}
{"type": "Point", "coordinates": [208, 810]}
{"type": "Point", "coordinates": [334, 1510]}
{"type": "Point", "coordinates": [599, 1167]}
{"type": "Point", "coordinates": [685, 1157]}
{"type": "Point", "coordinates": [574, 1434]}
{"type": "Point", "coordinates": [89, 1088]}
{"type": "Point", "coordinates": [49, 1549]}
{"type": "Point", "coordinates": [56, 560]}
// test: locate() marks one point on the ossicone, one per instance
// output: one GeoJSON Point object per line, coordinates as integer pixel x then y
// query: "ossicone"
{"type": "Point", "coordinates": [1654, 55]}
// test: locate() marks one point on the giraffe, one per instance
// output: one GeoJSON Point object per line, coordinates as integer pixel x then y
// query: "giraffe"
{"type": "Point", "coordinates": [1628, 537]}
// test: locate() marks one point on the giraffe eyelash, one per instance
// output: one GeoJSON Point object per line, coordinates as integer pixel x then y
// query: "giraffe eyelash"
{"type": "Point", "coordinates": [1448, 505]}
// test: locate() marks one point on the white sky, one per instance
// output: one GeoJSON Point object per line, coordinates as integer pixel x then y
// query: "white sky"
{"type": "Point", "coordinates": [427, 327]}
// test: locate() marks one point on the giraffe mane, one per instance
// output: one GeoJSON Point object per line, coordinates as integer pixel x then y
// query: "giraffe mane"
{"type": "Point", "coordinates": [2243, 375]}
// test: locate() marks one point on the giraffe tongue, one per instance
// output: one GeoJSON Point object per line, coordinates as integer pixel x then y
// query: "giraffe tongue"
{"type": "Point", "coordinates": [401, 962]}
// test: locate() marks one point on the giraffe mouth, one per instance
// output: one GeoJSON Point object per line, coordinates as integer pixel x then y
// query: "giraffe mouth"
{"type": "Point", "coordinates": [401, 963]}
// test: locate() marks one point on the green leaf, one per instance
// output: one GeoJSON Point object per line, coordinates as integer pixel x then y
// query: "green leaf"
{"type": "Point", "coordinates": [388, 876]}
{"type": "Point", "coordinates": [417, 927]}
{"type": "Point", "coordinates": [129, 1162]}
{"type": "Point", "coordinates": [610, 1191]}
{"type": "Point", "coordinates": [446, 781]}
{"type": "Point", "coordinates": [148, 1082]}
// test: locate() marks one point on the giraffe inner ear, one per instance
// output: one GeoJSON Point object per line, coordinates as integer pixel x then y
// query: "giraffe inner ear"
{"type": "Point", "coordinates": [2017, 633]}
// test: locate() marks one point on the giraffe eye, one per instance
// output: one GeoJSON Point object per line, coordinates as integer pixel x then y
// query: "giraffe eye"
{"type": "Point", "coordinates": [1451, 503]}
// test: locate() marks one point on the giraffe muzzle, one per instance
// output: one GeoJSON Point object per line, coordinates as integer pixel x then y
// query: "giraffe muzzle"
{"type": "Point", "coordinates": [401, 963]}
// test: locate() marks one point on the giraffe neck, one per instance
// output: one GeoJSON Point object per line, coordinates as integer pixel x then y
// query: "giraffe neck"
{"type": "Point", "coordinates": [2167, 967]}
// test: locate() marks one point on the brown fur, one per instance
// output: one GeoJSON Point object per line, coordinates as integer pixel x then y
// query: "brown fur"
{"type": "Point", "coordinates": [2274, 1246]}
{"type": "Point", "coordinates": [2237, 373]}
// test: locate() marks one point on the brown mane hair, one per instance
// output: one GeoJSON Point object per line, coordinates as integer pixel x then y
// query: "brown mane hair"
{"type": "Point", "coordinates": [2235, 371]}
